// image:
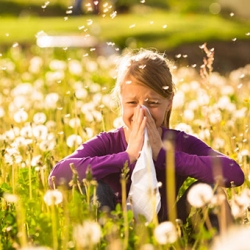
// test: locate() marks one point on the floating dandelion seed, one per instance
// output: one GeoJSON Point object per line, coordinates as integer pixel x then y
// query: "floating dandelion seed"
{"type": "Point", "coordinates": [142, 66]}
{"type": "Point", "coordinates": [234, 39]}
{"type": "Point", "coordinates": [151, 22]}
{"type": "Point", "coordinates": [113, 15]}
{"type": "Point", "coordinates": [128, 82]}
{"type": "Point", "coordinates": [65, 18]}
{"type": "Point", "coordinates": [68, 12]}
{"type": "Point", "coordinates": [165, 87]}
{"type": "Point", "coordinates": [248, 34]}
{"type": "Point", "coordinates": [231, 14]}
{"type": "Point", "coordinates": [200, 194]}
{"type": "Point", "coordinates": [178, 56]}
{"type": "Point", "coordinates": [132, 26]}
{"type": "Point", "coordinates": [15, 45]}
{"type": "Point", "coordinates": [53, 197]}
{"type": "Point", "coordinates": [45, 5]}
{"type": "Point", "coordinates": [165, 233]}
{"type": "Point", "coordinates": [142, 1]}
{"type": "Point", "coordinates": [89, 22]}
{"type": "Point", "coordinates": [164, 26]}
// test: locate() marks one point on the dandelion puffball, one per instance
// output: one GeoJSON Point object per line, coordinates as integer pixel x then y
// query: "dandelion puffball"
{"type": "Point", "coordinates": [200, 194]}
{"type": "Point", "coordinates": [53, 197]}
{"type": "Point", "coordinates": [87, 234]}
{"type": "Point", "coordinates": [165, 233]}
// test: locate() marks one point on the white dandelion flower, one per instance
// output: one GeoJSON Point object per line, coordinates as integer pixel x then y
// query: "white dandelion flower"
{"type": "Point", "coordinates": [200, 194]}
{"type": "Point", "coordinates": [89, 132]}
{"type": "Point", "coordinates": [188, 115]}
{"type": "Point", "coordinates": [53, 197]}
{"type": "Point", "coordinates": [26, 131]}
{"type": "Point", "coordinates": [58, 65]}
{"type": "Point", "coordinates": [91, 66]}
{"type": "Point", "coordinates": [40, 132]}
{"type": "Point", "coordinates": [12, 155]}
{"type": "Point", "coordinates": [81, 93]}
{"type": "Point", "coordinates": [20, 116]}
{"type": "Point", "coordinates": [12, 198]}
{"type": "Point", "coordinates": [2, 112]}
{"type": "Point", "coordinates": [51, 100]}
{"type": "Point", "coordinates": [75, 122]}
{"type": "Point", "coordinates": [74, 140]}
{"type": "Point", "coordinates": [236, 237]}
{"type": "Point", "coordinates": [75, 67]}
{"type": "Point", "coordinates": [39, 118]}
{"type": "Point", "coordinates": [165, 233]}
{"type": "Point", "coordinates": [47, 145]}
{"type": "Point", "coordinates": [35, 160]}
{"type": "Point", "coordinates": [36, 63]}
{"type": "Point", "coordinates": [87, 234]}
{"type": "Point", "coordinates": [184, 127]}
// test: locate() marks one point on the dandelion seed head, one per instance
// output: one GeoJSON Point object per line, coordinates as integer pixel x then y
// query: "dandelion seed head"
{"type": "Point", "coordinates": [73, 140]}
{"type": "Point", "coordinates": [40, 132]}
{"type": "Point", "coordinates": [236, 237]}
{"type": "Point", "coordinates": [53, 197]}
{"type": "Point", "coordinates": [75, 67]}
{"type": "Point", "coordinates": [20, 116]}
{"type": "Point", "coordinates": [165, 233]}
{"type": "Point", "coordinates": [87, 234]}
{"type": "Point", "coordinates": [47, 145]}
{"type": "Point", "coordinates": [200, 194]}
{"type": "Point", "coordinates": [75, 122]}
{"type": "Point", "coordinates": [39, 118]}
{"type": "Point", "coordinates": [11, 198]}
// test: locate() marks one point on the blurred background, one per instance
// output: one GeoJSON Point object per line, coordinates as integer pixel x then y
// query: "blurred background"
{"type": "Point", "coordinates": [177, 28]}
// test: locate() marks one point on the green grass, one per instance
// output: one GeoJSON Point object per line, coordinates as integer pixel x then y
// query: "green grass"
{"type": "Point", "coordinates": [147, 28]}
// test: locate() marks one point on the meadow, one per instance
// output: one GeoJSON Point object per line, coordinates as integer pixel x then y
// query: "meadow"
{"type": "Point", "coordinates": [54, 99]}
{"type": "Point", "coordinates": [52, 102]}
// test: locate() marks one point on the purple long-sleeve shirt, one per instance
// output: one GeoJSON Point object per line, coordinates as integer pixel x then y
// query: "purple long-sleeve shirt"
{"type": "Point", "coordinates": [106, 156]}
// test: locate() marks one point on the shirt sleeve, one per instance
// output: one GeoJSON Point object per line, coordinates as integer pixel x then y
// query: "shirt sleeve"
{"type": "Point", "coordinates": [103, 155]}
{"type": "Point", "coordinates": [194, 158]}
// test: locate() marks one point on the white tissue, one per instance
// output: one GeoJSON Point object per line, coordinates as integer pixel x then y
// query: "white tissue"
{"type": "Point", "coordinates": [144, 191]}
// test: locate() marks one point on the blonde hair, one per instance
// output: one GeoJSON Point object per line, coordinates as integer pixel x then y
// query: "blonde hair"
{"type": "Point", "coordinates": [149, 68]}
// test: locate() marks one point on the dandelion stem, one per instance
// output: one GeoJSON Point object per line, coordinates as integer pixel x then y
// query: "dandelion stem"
{"type": "Point", "coordinates": [54, 226]}
{"type": "Point", "coordinates": [124, 209]}
{"type": "Point", "coordinates": [170, 180]}
{"type": "Point", "coordinates": [21, 224]}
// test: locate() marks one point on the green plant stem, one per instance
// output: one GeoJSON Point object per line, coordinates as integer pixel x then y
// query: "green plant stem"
{"type": "Point", "coordinates": [170, 180]}
{"type": "Point", "coordinates": [124, 209]}
{"type": "Point", "coordinates": [54, 227]}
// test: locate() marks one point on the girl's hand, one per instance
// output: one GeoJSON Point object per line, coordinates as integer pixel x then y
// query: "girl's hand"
{"type": "Point", "coordinates": [135, 136]}
{"type": "Point", "coordinates": [154, 135]}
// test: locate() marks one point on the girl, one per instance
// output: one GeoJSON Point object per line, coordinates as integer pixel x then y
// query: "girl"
{"type": "Point", "coordinates": [144, 79]}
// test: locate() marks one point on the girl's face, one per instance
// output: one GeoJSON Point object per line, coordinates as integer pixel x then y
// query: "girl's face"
{"type": "Point", "coordinates": [133, 94]}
